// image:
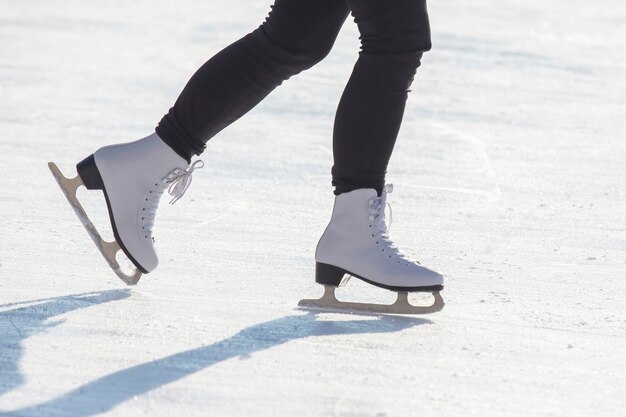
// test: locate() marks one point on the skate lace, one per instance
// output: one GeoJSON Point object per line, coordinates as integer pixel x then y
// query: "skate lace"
{"type": "Point", "coordinates": [377, 216]}
{"type": "Point", "coordinates": [176, 182]}
{"type": "Point", "coordinates": [181, 180]}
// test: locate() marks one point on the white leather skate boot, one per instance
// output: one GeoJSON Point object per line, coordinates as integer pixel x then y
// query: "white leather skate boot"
{"type": "Point", "coordinates": [133, 176]}
{"type": "Point", "coordinates": [356, 242]}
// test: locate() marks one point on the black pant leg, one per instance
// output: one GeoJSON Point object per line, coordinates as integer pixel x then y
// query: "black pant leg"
{"type": "Point", "coordinates": [394, 34]}
{"type": "Point", "coordinates": [296, 35]}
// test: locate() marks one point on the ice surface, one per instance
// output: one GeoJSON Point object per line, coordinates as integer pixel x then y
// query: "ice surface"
{"type": "Point", "coordinates": [509, 178]}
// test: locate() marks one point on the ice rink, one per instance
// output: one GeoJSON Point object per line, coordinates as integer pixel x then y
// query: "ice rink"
{"type": "Point", "coordinates": [509, 177]}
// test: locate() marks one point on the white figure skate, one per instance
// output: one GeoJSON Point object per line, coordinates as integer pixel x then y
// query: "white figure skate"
{"type": "Point", "coordinates": [132, 177]}
{"type": "Point", "coordinates": [356, 243]}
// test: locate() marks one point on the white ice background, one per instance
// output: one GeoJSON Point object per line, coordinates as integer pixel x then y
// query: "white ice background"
{"type": "Point", "coordinates": [509, 174]}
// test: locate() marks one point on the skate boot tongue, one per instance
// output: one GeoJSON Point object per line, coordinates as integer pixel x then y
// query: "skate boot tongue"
{"type": "Point", "coordinates": [377, 208]}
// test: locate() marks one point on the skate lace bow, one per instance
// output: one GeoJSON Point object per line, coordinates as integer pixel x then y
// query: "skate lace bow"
{"type": "Point", "coordinates": [179, 180]}
{"type": "Point", "coordinates": [377, 206]}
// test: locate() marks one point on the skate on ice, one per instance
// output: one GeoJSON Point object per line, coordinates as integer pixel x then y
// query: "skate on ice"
{"type": "Point", "coordinates": [357, 243]}
{"type": "Point", "coordinates": [132, 177]}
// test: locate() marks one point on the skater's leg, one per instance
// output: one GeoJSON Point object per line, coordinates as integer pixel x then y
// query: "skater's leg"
{"type": "Point", "coordinates": [394, 34]}
{"type": "Point", "coordinates": [295, 36]}
{"type": "Point", "coordinates": [356, 242]}
{"type": "Point", "coordinates": [133, 176]}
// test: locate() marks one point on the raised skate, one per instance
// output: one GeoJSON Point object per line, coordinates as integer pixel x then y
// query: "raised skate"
{"type": "Point", "coordinates": [357, 243]}
{"type": "Point", "coordinates": [132, 177]}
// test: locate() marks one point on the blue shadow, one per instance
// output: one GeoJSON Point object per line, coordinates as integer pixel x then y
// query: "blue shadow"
{"type": "Point", "coordinates": [25, 319]}
{"type": "Point", "coordinates": [109, 391]}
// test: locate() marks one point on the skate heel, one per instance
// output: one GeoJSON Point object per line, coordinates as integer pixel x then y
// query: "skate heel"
{"type": "Point", "coordinates": [330, 275]}
{"type": "Point", "coordinates": [89, 173]}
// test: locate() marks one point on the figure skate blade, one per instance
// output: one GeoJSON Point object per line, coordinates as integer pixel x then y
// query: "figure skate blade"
{"type": "Point", "coordinates": [401, 306]}
{"type": "Point", "coordinates": [107, 249]}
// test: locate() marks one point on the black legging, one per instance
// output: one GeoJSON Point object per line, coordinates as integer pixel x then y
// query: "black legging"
{"type": "Point", "coordinates": [296, 35]}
